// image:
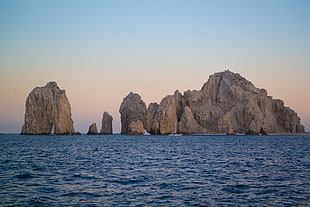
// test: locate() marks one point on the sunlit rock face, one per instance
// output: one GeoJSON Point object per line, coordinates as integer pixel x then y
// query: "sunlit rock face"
{"type": "Point", "coordinates": [227, 103]}
{"type": "Point", "coordinates": [107, 120]}
{"type": "Point", "coordinates": [47, 110]}
{"type": "Point", "coordinates": [132, 109]}
{"type": "Point", "coordinates": [136, 128]}
{"type": "Point", "coordinates": [189, 125]}
{"type": "Point", "coordinates": [162, 119]}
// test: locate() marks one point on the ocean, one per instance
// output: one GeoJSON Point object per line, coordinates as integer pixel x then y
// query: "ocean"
{"type": "Point", "coordinates": [120, 170]}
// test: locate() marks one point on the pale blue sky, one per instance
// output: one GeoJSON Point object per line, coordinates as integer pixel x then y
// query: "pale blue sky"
{"type": "Point", "coordinates": [99, 51]}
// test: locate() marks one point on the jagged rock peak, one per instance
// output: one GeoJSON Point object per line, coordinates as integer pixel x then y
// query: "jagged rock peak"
{"type": "Point", "coordinates": [107, 120]}
{"type": "Point", "coordinates": [228, 102]}
{"type": "Point", "coordinates": [47, 110]}
{"type": "Point", "coordinates": [132, 109]}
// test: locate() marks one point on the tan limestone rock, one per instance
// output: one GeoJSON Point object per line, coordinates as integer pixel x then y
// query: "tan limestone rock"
{"type": "Point", "coordinates": [136, 128]}
{"type": "Point", "coordinates": [188, 124]}
{"type": "Point", "coordinates": [166, 116]}
{"type": "Point", "coordinates": [152, 124]}
{"type": "Point", "coordinates": [227, 103]}
{"type": "Point", "coordinates": [132, 109]}
{"type": "Point", "coordinates": [47, 110]}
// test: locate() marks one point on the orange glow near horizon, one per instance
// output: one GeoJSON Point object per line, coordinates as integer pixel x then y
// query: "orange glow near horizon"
{"type": "Point", "coordinates": [99, 52]}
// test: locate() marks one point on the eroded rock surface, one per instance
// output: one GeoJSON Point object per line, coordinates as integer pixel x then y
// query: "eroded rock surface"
{"type": "Point", "coordinates": [189, 125]}
{"type": "Point", "coordinates": [132, 109]}
{"type": "Point", "coordinates": [136, 128]}
{"type": "Point", "coordinates": [47, 111]}
{"type": "Point", "coordinates": [227, 103]}
{"type": "Point", "coordinates": [163, 119]}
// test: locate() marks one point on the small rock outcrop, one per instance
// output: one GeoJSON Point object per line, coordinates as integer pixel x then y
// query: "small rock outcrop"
{"type": "Point", "coordinates": [47, 111]}
{"type": "Point", "coordinates": [132, 109]}
{"type": "Point", "coordinates": [107, 120]}
{"type": "Point", "coordinates": [92, 130]}
{"type": "Point", "coordinates": [136, 128]}
{"type": "Point", "coordinates": [227, 103]}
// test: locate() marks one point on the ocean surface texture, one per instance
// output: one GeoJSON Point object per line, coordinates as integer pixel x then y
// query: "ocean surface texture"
{"type": "Point", "coordinates": [119, 170]}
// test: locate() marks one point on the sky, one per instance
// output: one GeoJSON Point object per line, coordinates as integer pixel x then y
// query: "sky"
{"type": "Point", "coordinates": [100, 50]}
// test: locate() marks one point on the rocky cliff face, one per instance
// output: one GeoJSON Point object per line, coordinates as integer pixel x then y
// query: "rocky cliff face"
{"type": "Point", "coordinates": [227, 103]}
{"type": "Point", "coordinates": [47, 110]}
{"type": "Point", "coordinates": [162, 118]}
{"type": "Point", "coordinates": [189, 125]}
{"type": "Point", "coordinates": [132, 109]}
{"type": "Point", "coordinates": [107, 120]}
{"type": "Point", "coordinates": [136, 128]}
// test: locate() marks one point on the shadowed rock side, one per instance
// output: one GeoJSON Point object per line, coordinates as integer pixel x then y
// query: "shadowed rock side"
{"type": "Point", "coordinates": [92, 130]}
{"type": "Point", "coordinates": [47, 110]}
{"type": "Point", "coordinates": [107, 120]}
{"type": "Point", "coordinates": [227, 103]}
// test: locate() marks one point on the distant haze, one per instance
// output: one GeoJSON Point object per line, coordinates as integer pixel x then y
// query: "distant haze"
{"type": "Point", "coordinates": [99, 51]}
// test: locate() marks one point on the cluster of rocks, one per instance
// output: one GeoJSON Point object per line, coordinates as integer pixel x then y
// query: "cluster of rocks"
{"type": "Point", "coordinates": [106, 128]}
{"type": "Point", "coordinates": [226, 103]}
{"type": "Point", "coordinates": [48, 111]}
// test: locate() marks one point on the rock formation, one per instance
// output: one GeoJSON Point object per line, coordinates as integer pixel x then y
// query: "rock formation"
{"type": "Point", "coordinates": [47, 111]}
{"type": "Point", "coordinates": [163, 118]}
{"type": "Point", "coordinates": [230, 103]}
{"type": "Point", "coordinates": [227, 103]}
{"type": "Point", "coordinates": [107, 120]}
{"type": "Point", "coordinates": [136, 128]}
{"type": "Point", "coordinates": [152, 124]}
{"type": "Point", "coordinates": [132, 109]}
{"type": "Point", "coordinates": [92, 130]}
{"type": "Point", "coordinates": [189, 125]}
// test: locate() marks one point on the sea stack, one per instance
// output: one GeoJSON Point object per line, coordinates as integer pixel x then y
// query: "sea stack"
{"type": "Point", "coordinates": [107, 120]}
{"type": "Point", "coordinates": [227, 103]}
{"type": "Point", "coordinates": [92, 130]}
{"type": "Point", "coordinates": [47, 111]}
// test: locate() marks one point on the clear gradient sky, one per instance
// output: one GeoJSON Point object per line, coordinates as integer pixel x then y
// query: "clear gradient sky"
{"type": "Point", "coordinates": [100, 50]}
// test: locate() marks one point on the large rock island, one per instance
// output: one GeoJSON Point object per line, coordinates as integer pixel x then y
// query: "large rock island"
{"type": "Point", "coordinates": [47, 111]}
{"type": "Point", "coordinates": [226, 103]}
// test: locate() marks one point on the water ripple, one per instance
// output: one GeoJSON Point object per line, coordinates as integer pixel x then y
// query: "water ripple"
{"type": "Point", "coordinates": [122, 170]}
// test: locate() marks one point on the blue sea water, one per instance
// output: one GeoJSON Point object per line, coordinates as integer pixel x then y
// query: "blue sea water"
{"type": "Point", "coordinates": [119, 170]}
